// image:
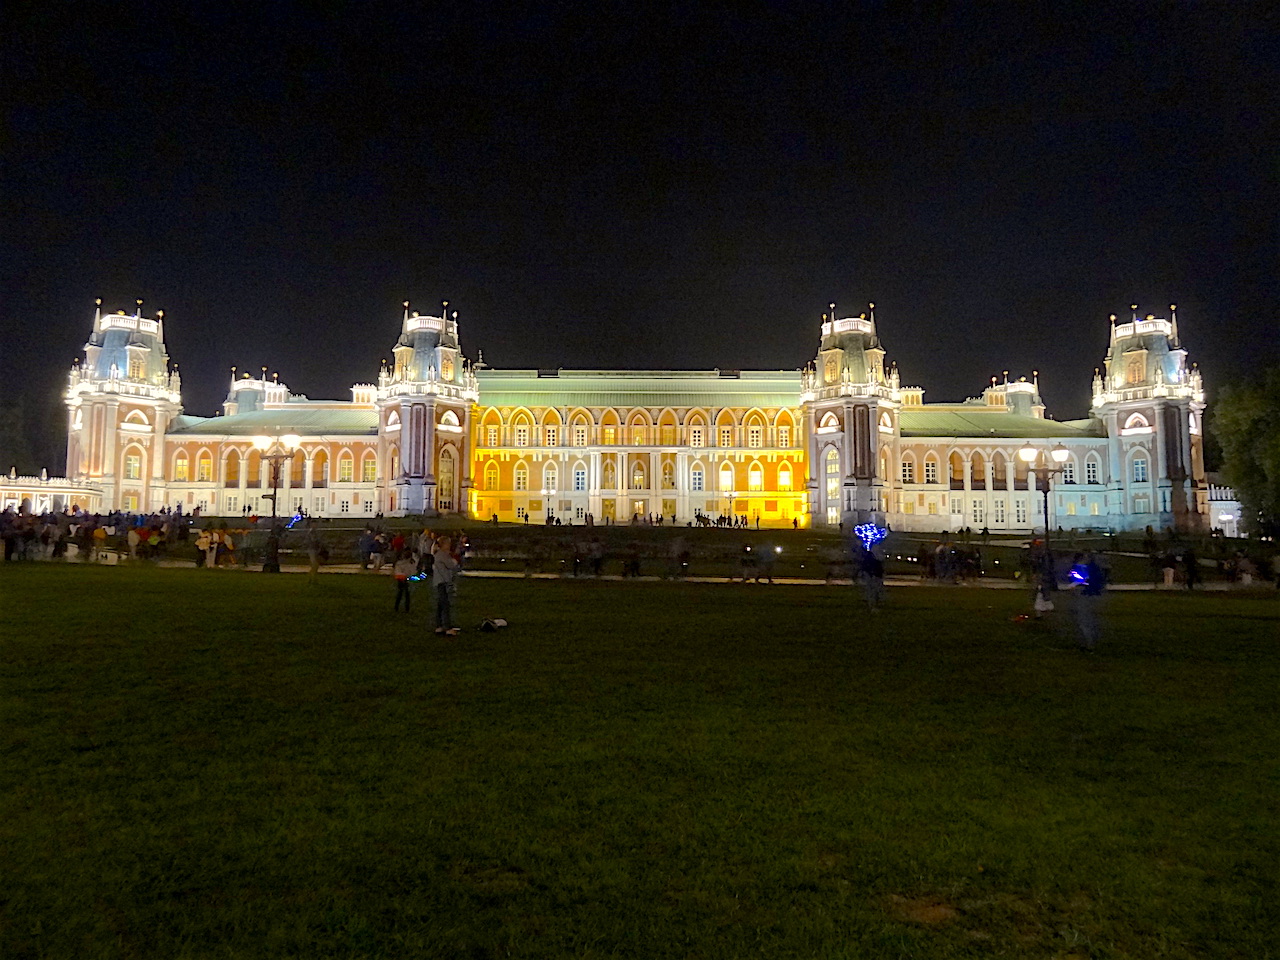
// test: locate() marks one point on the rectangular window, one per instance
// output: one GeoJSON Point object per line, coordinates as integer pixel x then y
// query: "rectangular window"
{"type": "Point", "coordinates": [346, 470]}
{"type": "Point", "coordinates": [233, 504]}
{"type": "Point", "coordinates": [784, 436]}
{"type": "Point", "coordinates": [579, 513]}
{"type": "Point", "coordinates": [553, 437]}
{"type": "Point", "coordinates": [997, 510]}
{"type": "Point", "coordinates": [1142, 504]}
{"type": "Point", "coordinates": [668, 435]}
{"type": "Point", "coordinates": [580, 480]}
{"type": "Point", "coordinates": [180, 469]}
{"type": "Point", "coordinates": [132, 467]}
{"type": "Point", "coordinates": [580, 436]}
{"type": "Point", "coordinates": [1091, 471]}
{"type": "Point", "coordinates": [131, 504]}
{"type": "Point", "coordinates": [1093, 509]}
{"type": "Point", "coordinates": [345, 506]}
{"type": "Point", "coordinates": [369, 470]}
{"type": "Point", "coordinates": [1140, 472]}
{"type": "Point", "coordinates": [908, 472]}
{"type": "Point", "coordinates": [697, 480]}
{"type": "Point", "coordinates": [205, 470]}
{"type": "Point", "coordinates": [318, 506]}
{"type": "Point", "coordinates": [726, 436]}
{"type": "Point", "coordinates": [755, 436]}
{"type": "Point", "coordinates": [610, 436]}
{"type": "Point", "coordinates": [931, 471]}
{"type": "Point", "coordinates": [933, 507]}
{"type": "Point", "coordinates": [696, 437]}
{"type": "Point", "coordinates": [1071, 509]}
{"type": "Point", "coordinates": [491, 436]}
{"type": "Point", "coordinates": [522, 436]}
{"type": "Point", "coordinates": [1069, 472]}
{"type": "Point", "coordinates": [979, 512]}
{"type": "Point", "coordinates": [639, 437]}
{"type": "Point", "coordinates": [1020, 512]}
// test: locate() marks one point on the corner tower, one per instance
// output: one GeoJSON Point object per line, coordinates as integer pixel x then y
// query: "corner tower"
{"type": "Point", "coordinates": [120, 402]}
{"type": "Point", "coordinates": [1152, 405]}
{"type": "Point", "coordinates": [424, 401]}
{"type": "Point", "coordinates": [851, 412]}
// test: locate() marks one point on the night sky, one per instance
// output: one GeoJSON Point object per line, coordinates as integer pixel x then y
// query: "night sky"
{"type": "Point", "coordinates": [638, 187]}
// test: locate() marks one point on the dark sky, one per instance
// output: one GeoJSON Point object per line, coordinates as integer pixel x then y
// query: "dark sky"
{"type": "Point", "coordinates": [682, 187]}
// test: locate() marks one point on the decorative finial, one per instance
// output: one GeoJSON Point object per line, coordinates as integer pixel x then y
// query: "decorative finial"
{"type": "Point", "coordinates": [139, 303]}
{"type": "Point", "coordinates": [1134, 308]}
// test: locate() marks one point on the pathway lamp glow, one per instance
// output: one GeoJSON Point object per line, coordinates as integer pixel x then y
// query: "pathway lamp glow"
{"type": "Point", "coordinates": [1047, 465]}
{"type": "Point", "coordinates": [275, 450]}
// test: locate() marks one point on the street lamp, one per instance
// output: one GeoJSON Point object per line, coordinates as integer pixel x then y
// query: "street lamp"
{"type": "Point", "coordinates": [275, 450]}
{"type": "Point", "coordinates": [1047, 464]}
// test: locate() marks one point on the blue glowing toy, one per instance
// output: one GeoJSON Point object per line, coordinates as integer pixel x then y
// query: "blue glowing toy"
{"type": "Point", "coordinates": [869, 534]}
{"type": "Point", "coordinates": [1079, 574]}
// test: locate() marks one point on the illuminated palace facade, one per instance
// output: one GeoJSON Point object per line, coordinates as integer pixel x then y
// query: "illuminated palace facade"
{"type": "Point", "coordinates": [837, 442]}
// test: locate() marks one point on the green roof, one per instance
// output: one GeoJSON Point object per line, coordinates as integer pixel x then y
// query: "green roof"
{"type": "Point", "coordinates": [294, 419]}
{"type": "Point", "coordinates": [984, 424]}
{"type": "Point", "coordinates": [635, 388]}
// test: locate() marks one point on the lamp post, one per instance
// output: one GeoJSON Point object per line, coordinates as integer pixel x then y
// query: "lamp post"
{"type": "Point", "coordinates": [275, 450]}
{"type": "Point", "coordinates": [1048, 464]}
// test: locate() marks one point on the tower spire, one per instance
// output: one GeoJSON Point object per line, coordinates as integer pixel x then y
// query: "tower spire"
{"type": "Point", "coordinates": [97, 311]}
{"type": "Point", "coordinates": [1173, 318]}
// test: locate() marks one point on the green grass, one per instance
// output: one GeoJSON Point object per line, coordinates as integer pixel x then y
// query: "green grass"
{"type": "Point", "coordinates": [218, 764]}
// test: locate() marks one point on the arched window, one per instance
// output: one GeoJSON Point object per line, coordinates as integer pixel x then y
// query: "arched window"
{"type": "Point", "coordinates": [832, 470]}
{"type": "Point", "coordinates": [784, 477]}
{"type": "Point", "coordinates": [393, 420]}
{"type": "Point", "coordinates": [697, 479]}
{"type": "Point", "coordinates": [133, 464]}
{"type": "Point", "coordinates": [579, 477]}
{"type": "Point", "coordinates": [931, 469]}
{"type": "Point", "coordinates": [726, 477]}
{"type": "Point", "coordinates": [755, 478]}
{"type": "Point", "coordinates": [522, 476]}
{"type": "Point", "coordinates": [1137, 422]}
{"type": "Point", "coordinates": [610, 475]}
{"type": "Point", "coordinates": [204, 467]}
{"type": "Point", "coordinates": [136, 417]}
{"type": "Point", "coordinates": [637, 476]}
{"type": "Point", "coordinates": [320, 468]}
{"type": "Point", "coordinates": [550, 478]}
{"type": "Point", "coordinates": [444, 481]}
{"type": "Point", "coordinates": [978, 471]}
{"type": "Point", "coordinates": [829, 422]}
{"type": "Point", "coordinates": [346, 468]}
{"type": "Point", "coordinates": [668, 474]}
{"type": "Point", "coordinates": [369, 468]}
{"type": "Point", "coordinates": [449, 421]}
{"type": "Point", "coordinates": [957, 470]}
{"type": "Point", "coordinates": [491, 476]}
{"type": "Point", "coordinates": [181, 468]}
{"type": "Point", "coordinates": [231, 469]}
{"type": "Point", "coordinates": [908, 470]}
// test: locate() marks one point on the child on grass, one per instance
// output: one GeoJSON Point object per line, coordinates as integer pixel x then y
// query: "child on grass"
{"type": "Point", "coordinates": [404, 568]}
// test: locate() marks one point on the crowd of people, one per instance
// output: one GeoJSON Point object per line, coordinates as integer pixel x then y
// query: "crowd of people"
{"type": "Point", "coordinates": [91, 537]}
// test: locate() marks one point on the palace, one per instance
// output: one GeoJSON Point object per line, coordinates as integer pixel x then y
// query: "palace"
{"type": "Point", "coordinates": [837, 442]}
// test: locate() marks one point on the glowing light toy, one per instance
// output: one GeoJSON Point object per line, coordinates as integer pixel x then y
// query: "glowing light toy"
{"type": "Point", "coordinates": [1079, 575]}
{"type": "Point", "coordinates": [869, 534]}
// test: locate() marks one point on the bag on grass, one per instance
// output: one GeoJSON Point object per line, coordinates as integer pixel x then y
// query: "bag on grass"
{"type": "Point", "coordinates": [492, 625]}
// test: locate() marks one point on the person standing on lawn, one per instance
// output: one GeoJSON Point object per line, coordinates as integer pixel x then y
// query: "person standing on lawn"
{"type": "Point", "coordinates": [405, 567]}
{"type": "Point", "coordinates": [444, 572]}
{"type": "Point", "coordinates": [1089, 580]}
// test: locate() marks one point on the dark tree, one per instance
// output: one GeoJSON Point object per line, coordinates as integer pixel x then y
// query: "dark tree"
{"type": "Point", "coordinates": [1246, 422]}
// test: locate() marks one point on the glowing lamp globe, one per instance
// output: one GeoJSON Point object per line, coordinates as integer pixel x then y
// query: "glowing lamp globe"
{"type": "Point", "coordinates": [291, 441]}
{"type": "Point", "coordinates": [1027, 454]}
{"type": "Point", "coordinates": [262, 443]}
{"type": "Point", "coordinates": [1059, 454]}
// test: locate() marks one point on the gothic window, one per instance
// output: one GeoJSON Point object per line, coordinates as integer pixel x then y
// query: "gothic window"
{"type": "Point", "coordinates": [346, 469]}
{"type": "Point", "coordinates": [369, 469]}
{"type": "Point", "coordinates": [491, 435]}
{"type": "Point", "coordinates": [755, 436]}
{"type": "Point", "coordinates": [696, 437]}
{"type": "Point", "coordinates": [784, 436]}
{"type": "Point", "coordinates": [204, 468]}
{"type": "Point", "coordinates": [638, 434]}
{"type": "Point", "coordinates": [1069, 472]}
{"type": "Point", "coordinates": [446, 368]}
{"type": "Point", "coordinates": [136, 366]}
{"type": "Point", "coordinates": [132, 466]}
{"type": "Point", "coordinates": [830, 370]}
{"type": "Point", "coordinates": [697, 480]}
{"type": "Point", "coordinates": [829, 422]}
{"type": "Point", "coordinates": [522, 477]}
{"type": "Point", "coordinates": [931, 470]}
{"type": "Point", "coordinates": [784, 477]}
{"type": "Point", "coordinates": [1091, 471]}
{"type": "Point", "coordinates": [550, 479]}
{"type": "Point", "coordinates": [726, 477]}
{"type": "Point", "coordinates": [1140, 472]}
{"type": "Point", "coordinates": [181, 468]}
{"type": "Point", "coordinates": [833, 476]}
{"type": "Point", "coordinates": [755, 478]}
{"type": "Point", "coordinates": [579, 479]}
{"type": "Point", "coordinates": [522, 435]}
{"type": "Point", "coordinates": [637, 477]}
{"type": "Point", "coordinates": [1134, 372]}
{"type": "Point", "coordinates": [231, 470]}
{"type": "Point", "coordinates": [668, 475]}
{"type": "Point", "coordinates": [491, 476]}
{"type": "Point", "coordinates": [908, 472]}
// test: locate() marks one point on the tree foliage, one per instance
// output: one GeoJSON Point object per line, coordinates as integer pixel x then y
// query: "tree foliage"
{"type": "Point", "coordinates": [1246, 420]}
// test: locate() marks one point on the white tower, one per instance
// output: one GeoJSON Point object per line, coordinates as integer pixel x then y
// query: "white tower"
{"type": "Point", "coordinates": [120, 402]}
{"type": "Point", "coordinates": [1152, 405]}
{"type": "Point", "coordinates": [851, 414]}
{"type": "Point", "coordinates": [424, 405]}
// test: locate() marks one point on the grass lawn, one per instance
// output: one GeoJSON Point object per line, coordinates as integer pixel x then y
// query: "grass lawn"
{"type": "Point", "coordinates": [218, 764]}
